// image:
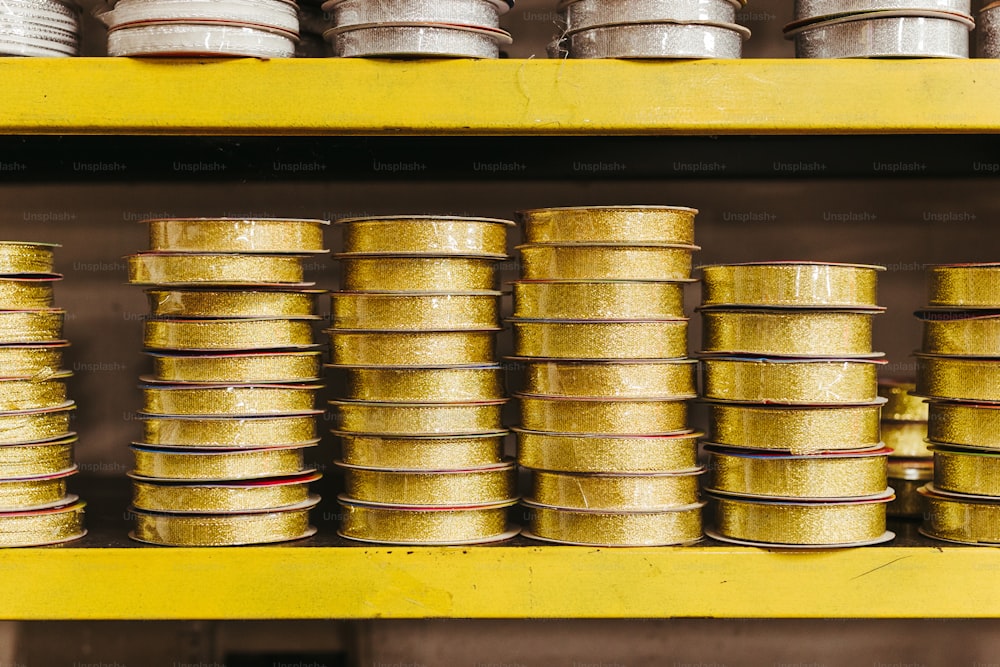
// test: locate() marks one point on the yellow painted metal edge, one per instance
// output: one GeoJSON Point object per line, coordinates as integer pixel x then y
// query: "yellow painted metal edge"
{"type": "Point", "coordinates": [538, 96]}
{"type": "Point", "coordinates": [496, 582]}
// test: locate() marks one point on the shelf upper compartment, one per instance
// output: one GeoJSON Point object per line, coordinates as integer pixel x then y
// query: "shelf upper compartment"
{"type": "Point", "coordinates": [532, 97]}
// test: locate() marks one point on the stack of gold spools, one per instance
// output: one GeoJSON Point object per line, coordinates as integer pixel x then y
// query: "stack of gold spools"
{"type": "Point", "coordinates": [230, 406]}
{"type": "Point", "coordinates": [790, 381]}
{"type": "Point", "coordinates": [413, 343]}
{"type": "Point", "coordinates": [904, 429]}
{"type": "Point", "coordinates": [36, 445]}
{"type": "Point", "coordinates": [959, 371]}
{"type": "Point", "coordinates": [600, 329]}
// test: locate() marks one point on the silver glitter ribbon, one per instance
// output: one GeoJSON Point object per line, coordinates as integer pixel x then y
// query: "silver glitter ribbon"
{"type": "Point", "coordinates": [474, 13]}
{"type": "Point", "coordinates": [658, 40]}
{"type": "Point", "coordinates": [584, 14]}
{"type": "Point", "coordinates": [436, 40]}
{"type": "Point", "coordinates": [894, 34]}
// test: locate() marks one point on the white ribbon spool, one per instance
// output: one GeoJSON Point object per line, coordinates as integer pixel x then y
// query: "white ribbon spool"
{"type": "Point", "coordinates": [472, 13]}
{"type": "Point", "coordinates": [658, 40]}
{"type": "Point", "coordinates": [416, 40]}
{"type": "Point", "coordinates": [270, 14]}
{"type": "Point", "coordinates": [583, 14]}
{"type": "Point", "coordinates": [891, 34]}
{"type": "Point", "coordinates": [199, 40]}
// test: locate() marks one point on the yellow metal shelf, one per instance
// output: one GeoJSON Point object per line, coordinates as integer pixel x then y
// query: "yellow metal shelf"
{"type": "Point", "coordinates": [346, 96]}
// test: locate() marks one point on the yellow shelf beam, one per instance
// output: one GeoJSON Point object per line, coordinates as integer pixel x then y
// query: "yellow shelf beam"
{"type": "Point", "coordinates": [346, 96]}
{"type": "Point", "coordinates": [496, 582]}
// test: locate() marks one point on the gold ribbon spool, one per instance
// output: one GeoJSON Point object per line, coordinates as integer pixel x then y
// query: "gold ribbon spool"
{"type": "Point", "coordinates": [592, 491]}
{"type": "Point", "coordinates": [422, 385]}
{"type": "Point", "coordinates": [224, 465]}
{"type": "Point", "coordinates": [609, 224]}
{"type": "Point", "coordinates": [788, 333]}
{"type": "Point", "coordinates": [964, 424]}
{"type": "Point", "coordinates": [243, 235]}
{"type": "Point", "coordinates": [33, 492]}
{"type": "Point", "coordinates": [403, 311]}
{"type": "Point", "coordinates": [229, 433]}
{"type": "Point", "coordinates": [219, 497]}
{"type": "Point", "coordinates": [905, 439]}
{"type": "Point", "coordinates": [36, 459]}
{"type": "Point", "coordinates": [817, 477]}
{"type": "Point", "coordinates": [962, 335]}
{"type": "Point", "coordinates": [667, 263]}
{"type": "Point", "coordinates": [362, 273]}
{"type": "Point", "coordinates": [156, 268]}
{"type": "Point", "coordinates": [598, 300]}
{"type": "Point", "coordinates": [673, 378]}
{"type": "Point", "coordinates": [961, 286]}
{"type": "Point", "coordinates": [954, 519]}
{"type": "Point", "coordinates": [412, 348]}
{"type": "Point", "coordinates": [790, 382]}
{"type": "Point", "coordinates": [264, 334]}
{"type": "Point", "coordinates": [799, 430]}
{"type": "Point", "coordinates": [393, 524]}
{"type": "Point", "coordinates": [220, 304]}
{"type": "Point", "coordinates": [660, 339]}
{"type": "Point", "coordinates": [605, 416]}
{"type": "Point", "coordinates": [901, 405]}
{"type": "Point", "coordinates": [680, 525]}
{"type": "Point", "coordinates": [27, 293]}
{"type": "Point", "coordinates": [791, 284]}
{"type": "Point", "coordinates": [31, 361]}
{"type": "Point", "coordinates": [585, 452]}
{"type": "Point", "coordinates": [483, 486]}
{"type": "Point", "coordinates": [423, 452]}
{"type": "Point", "coordinates": [41, 527]}
{"type": "Point", "coordinates": [426, 235]}
{"type": "Point", "coordinates": [967, 472]}
{"type": "Point", "coordinates": [240, 400]}
{"type": "Point", "coordinates": [947, 378]}
{"type": "Point", "coordinates": [417, 418]}
{"type": "Point", "coordinates": [25, 257]}
{"type": "Point", "coordinates": [31, 394]}
{"type": "Point", "coordinates": [798, 523]}
{"type": "Point", "coordinates": [25, 426]}
{"type": "Point", "coordinates": [279, 367]}
{"type": "Point", "coordinates": [31, 326]}
{"type": "Point", "coordinates": [906, 478]}
{"type": "Point", "coordinates": [222, 530]}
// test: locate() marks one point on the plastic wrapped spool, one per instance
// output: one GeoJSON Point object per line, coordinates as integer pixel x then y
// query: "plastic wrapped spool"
{"type": "Point", "coordinates": [220, 304]}
{"type": "Point", "coordinates": [594, 340]}
{"type": "Point", "coordinates": [28, 361]}
{"type": "Point", "coordinates": [31, 326]}
{"type": "Point", "coordinates": [240, 270]}
{"type": "Point", "coordinates": [597, 300]}
{"type": "Point", "coordinates": [392, 419]}
{"type": "Point", "coordinates": [41, 29]}
{"type": "Point", "coordinates": [237, 368]}
{"type": "Point", "coordinates": [422, 385]}
{"type": "Point", "coordinates": [474, 13]}
{"type": "Point", "coordinates": [401, 452]}
{"type": "Point", "coordinates": [223, 530]}
{"type": "Point", "coordinates": [889, 34]}
{"type": "Point", "coordinates": [905, 478]}
{"type": "Point", "coordinates": [18, 258]}
{"type": "Point", "coordinates": [180, 39]}
{"type": "Point", "coordinates": [220, 497]}
{"type": "Point", "coordinates": [679, 525]}
{"type": "Point", "coordinates": [417, 40]}
{"type": "Point", "coordinates": [954, 518]}
{"type": "Point", "coordinates": [27, 293]}
{"type": "Point", "coordinates": [32, 493]}
{"type": "Point", "coordinates": [624, 225]}
{"type": "Point", "coordinates": [964, 424]}
{"type": "Point", "coordinates": [652, 378]}
{"type": "Point", "coordinates": [207, 335]}
{"type": "Point", "coordinates": [412, 348]}
{"type": "Point", "coordinates": [810, 11]}
{"type": "Point", "coordinates": [235, 400]}
{"type": "Point", "coordinates": [35, 528]}
{"type": "Point", "coordinates": [901, 404]}
{"type": "Point", "coordinates": [790, 381]}
{"type": "Point", "coordinates": [966, 472]}
{"type": "Point", "coordinates": [659, 40]}
{"type": "Point", "coordinates": [220, 465]}
{"type": "Point", "coordinates": [36, 459]}
{"type": "Point", "coordinates": [594, 453]}
{"type": "Point", "coordinates": [791, 285]}
{"type": "Point", "coordinates": [602, 415]}
{"type": "Point", "coordinates": [264, 14]}
{"type": "Point", "coordinates": [581, 261]}
{"type": "Point", "coordinates": [453, 488]}
{"type": "Point", "coordinates": [961, 334]}
{"type": "Point", "coordinates": [423, 235]}
{"type": "Point", "coordinates": [28, 426]}
{"type": "Point", "coordinates": [223, 432]}
{"type": "Point", "coordinates": [944, 378]}
{"type": "Point", "coordinates": [827, 334]}
{"type": "Point", "coordinates": [965, 286]}
{"type": "Point", "coordinates": [615, 492]}
{"type": "Point", "coordinates": [583, 14]}
{"type": "Point", "coordinates": [905, 438]}
{"type": "Point", "coordinates": [406, 311]}
{"type": "Point", "coordinates": [400, 524]}
{"type": "Point", "coordinates": [364, 273]}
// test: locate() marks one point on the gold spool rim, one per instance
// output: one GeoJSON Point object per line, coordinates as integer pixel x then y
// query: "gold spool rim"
{"type": "Point", "coordinates": [771, 454]}
{"type": "Point", "coordinates": [437, 254]}
{"type": "Point", "coordinates": [887, 496]}
{"type": "Point", "coordinates": [334, 332]}
{"type": "Point", "coordinates": [628, 208]}
{"type": "Point", "coordinates": [177, 386]}
{"type": "Point", "coordinates": [224, 449]}
{"type": "Point", "coordinates": [235, 354]}
{"type": "Point", "coordinates": [228, 418]}
{"type": "Point", "coordinates": [344, 500]}
{"type": "Point", "coordinates": [612, 244]}
{"type": "Point", "coordinates": [678, 361]}
{"type": "Point", "coordinates": [60, 374]}
{"type": "Point", "coordinates": [784, 450]}
{"type": "Point", "coordinates": [602, 399]}
{"type": "Point", "coordinates": [31, 277]}
{"type": "Point", "coordinates": [530, 320]}
{"type": "Point", "coordinates": [930, 491]}
{"type": "Point", "coordinates": [382, 367]}
{"type": "Point", "coordinates": [72, 505]}
{"type": "Point", "coordinates": [305, 477]}
{"type": "Point", "coordinates": [66, 406]}
{"type": "Point", "coordinates": [230, 320]}
{"type": "Point", "coordinates": [405, 404]}
{"type": "Point", "coordinates": [312, 501]}
{"type": "Point", "coordinates": [426, 218]}
{"type": "Point", "coordinates": [884, 537]}
{"type": "Point", "coordinates": [228, 219]}
{"type": "Point", "coordinates": [691, 472]}
{"type": "Point", "coordinates": [578, 510]}
{"type": "Point", "coordinates": [411, 293]}
{"type": "Point", "coordinates": [792, 262]}
{"type": "Point", "coordinates": [878, 402]}
{"type": "Point", "coordinates": [599, 281]}
{"type": "Point", "coordinates": [505, 465]}
{"type": "Point", "coordinates": [406, 436]}
{"type": "Point", "coordinates": [674, 435]}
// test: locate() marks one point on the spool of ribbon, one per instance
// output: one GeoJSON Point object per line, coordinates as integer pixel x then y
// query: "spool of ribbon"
{"type": "Point", "coordinates": [366, 273]}
{"type": "Point", "coordinates": [440, 40]}
{"type": "Point", "coordinates": [976, 380]}
{"type": "Point", "coordinates": [901, 405]}
{"type": "Point", "coordinates": [788, 333]}
{"type": "Point", "coordinates": [583, 452]}
{"type": "Point", "coordinates": [223, 530]}
{"type": "Point", "coordinates": [219, 497]}
{"type": "Point", "coordinates": [238, 400]}
{"type": "Point", "coordinates": [654, 378]}
{"type": "Point", "coordinates": [276, 15]}
{"type": "Point", "coordinates": [36, 459]}
{"type": "Point", "coordinates": [248, 368]}
{"type": "Point", "coordinates": [238, 235]}
{"type": "Point", "coordinates": [662, 39]}
{"type": "Point", "coordinates": [238, 334]}
{"type": "Point", "coordinates": [636, 492]}
{"type": "Point", "coordinates": [962, 286]}
{"type": "Point", "coordinates": [963, 334]}
{"type": "Point", "coordinates": [790, 381]}
{"type": "Point", "coordinates": [197, 39]}
{"type": "Point", "coordinates": [229, 433]}
{"type": "Point", "coordinates": [598, 300]}
{"type": "Point", "coordinates": [583, 14]}
{"type": "Point", "coordinates": [162, 268]}
{"type": "Point", "coordinates": [31, 361]}
{"type": "Point", "coordinates": [964, 424]}
{"type": "Point", "coordinates": [791, 284]}
{"type": "Point", "coordinates": [415, 235]}
{"type": "Point", "coordinates": [393, 524]}
{"type": "Point", "coordinates": [252, 303]}
{"type": "Point", "coordinates": [602, 415]}
{"type": "Point", "coordinates": [625, 225]}
{"type": "Point", "coordinates": [562, 339]}
{"type": "Point", "coordinates": [27, 293]}
{"type": "Point", "coordinates": [680, 525]}
{"type": "Point", "coordinates": [421, 452]}
{"type": "Point", "coordinates": [36, 528]}
{"type": "Point", "coordinates": [418, 385]}
{"type": "Point", "coordinates": [195, 465]}
{"type": "Point", "coordinates": [31, 326]}
{"type": "Point", "coordinates": [360, 417]}
{"type": "Point", "coordinates": [480, 486]}
{"type": "Point", "coordinates": [960, 519]}
{"type": "Point", "coordinates": [28, 493]}
{"type": "Point", "coordinates": [30, 394]}
{"type": "Point", "coordinates": [969, 473]}
{"type": "Point", "coordinates": [26, 426]}
{"type": "Point", "coordinates": [412, 348]}
{"type": "Point", "coordinates": [18, 258]}
{"type": "Point", "coordinates": [581, 261]}
{"type": "Point", "coordinates": [456, 12]}
{"type": "Point", "coordinates": [906, 478]}
{"type": "Point", "coordinates": [401, 311]}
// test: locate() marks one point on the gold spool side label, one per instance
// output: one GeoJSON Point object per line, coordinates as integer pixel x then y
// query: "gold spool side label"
{"type": "Point", "coordinates": [19, 257]}
{"type": "Point", "coordinates": [31, 326]}
{"type": "Point", "coordinates": [967, 473]}
{"type": "Point", "coordinates": [216, 499]}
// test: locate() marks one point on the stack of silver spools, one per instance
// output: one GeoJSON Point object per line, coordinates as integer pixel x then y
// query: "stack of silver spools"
{"type": "Point", "coordinates": [988, 31]}
{"type": "Point", "coordinates": [879, 29]}
{"type": "Point", "coordinates": [252, 28]}
{"type": "Point", "coordinates": [417, 28]}
{"type": "Point", "coordinates": [44, 28]}
{"type": "Point", "coordinates": [628, 29]}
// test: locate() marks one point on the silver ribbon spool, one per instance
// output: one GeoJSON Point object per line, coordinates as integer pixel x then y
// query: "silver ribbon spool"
{"type": "Point", "coordinates": [664, 39]}
{"type": "Point", "coordinates": [584, 14]}
{"type": "Point", "coordinates": [268, 14]}
{"type": "Point", "coordinates": [416, 39]}
{"type": "Point", "coordinates": [892, 34]}
{"type": "Point", "coordinates": [812, 11]}
{"type": "Point", "coordinates": [472, 13]}
{"type": "Point", "coordinates": [199, 40]}
{"type": "Point", "coordinates": [988, 33]}
{"type": "Point", "coordinates": [42, 28]}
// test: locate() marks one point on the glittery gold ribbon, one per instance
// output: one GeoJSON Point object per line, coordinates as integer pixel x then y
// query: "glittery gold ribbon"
{"type": "Point", "coordinates": [799, 381]}
{"type": "Point", "coordinates": [598, 300]}
{"type": "Point", "coordinates": [584, 452]}
{"type": "Point", "coordinates": [26, 426]}
{"type": "Point", "coordinates": [31, 326]}
{"type": "Point", "coordinates": [617, 379]}
{"type": "Point", "coordinates": [37, 528]}
{"type": "Point", "coordinates": [31, 361]}
{"type": "Point", "coordinates": [481, 486]}
{"type": "Point", "coordinates": [964, 424]}
{"type": "Point", "coordinates": [901, 405]}
{"type": "Point", "coordinates": [606, 262]}
{"type": "Point", "coordinates": [430, 274]}
{"type": "Point", "coordinates": [420, 385]}
{"type": "Point", "coordinates": [953, 519]}
{"type": "Point", "coordinates": [790, 284]}
{"type": "Point", "coordinates": [966, 472]}
{"type": "Point", "coordinates": [800, 430]}
{"type": "Point", "coordinates": [822, 476]}
{"type": "Point", "coordinates": [232, 303]}
{"type": "Point", "coordinates": [956, 378]}
{"type": "Point", "coordinates": [286, 367]}
{"type": "Point", "coordinates": [625, 416]}
{"type": "Point", "coordinates": [609, 224]}
{"type": "Point", "coordinates": [22, 257]}
{"type": "Point", "coordinates": [806, 524]}
{"type": "Point", "coordinates": [26, 293]}
{"type": "Point", "coordinates": [663, 339]}
{"type": "Point", "coordinates": [218, 497]}
{"type": "Point", "coordinates": [227, 432]}
{"type": "Point", "coordinates": [616, 529]}
{"type": "Point", "coordinates": [425, 234]}
{"type": "Point", "coordinates": [964, 286]}
{"type": "Point", "coordinates": [962, 334]}
{"type": "Point", "coordinates": [789, 333]}
{"type": "Point", "coordinates": [412, 348]}
{"type": "Point", "coordinates": [30, 394]}
{"type": "Point", "coordinates": [260, 235]}
{"type": "Point", "coordinates": [36, 460]}
{"type": "Point", "coordinates": [422, 453]}
{"type": "Point", "coordinates": [417, 418]}
{"type": "Point", "coordinates": [221, 530]}
{"type": "Point", "coordinates": [406, 525]}
{"type": "Point", "coordinates": [213, 269]}
{"type": "Point", "coordinates": [591, 491]}
{"type": "Point", "coordinates": [415, 312]}
{"type": "Point", "coordinates": [24, 494]}
{"type": "Point", "coordinates": [905, 439]}
{"type": "Point", "coordinates": [227, 334]}
{"type": "Point", "coordinates": [228, 400]}
{"type": "Point", "coordinates": [224, 465]}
